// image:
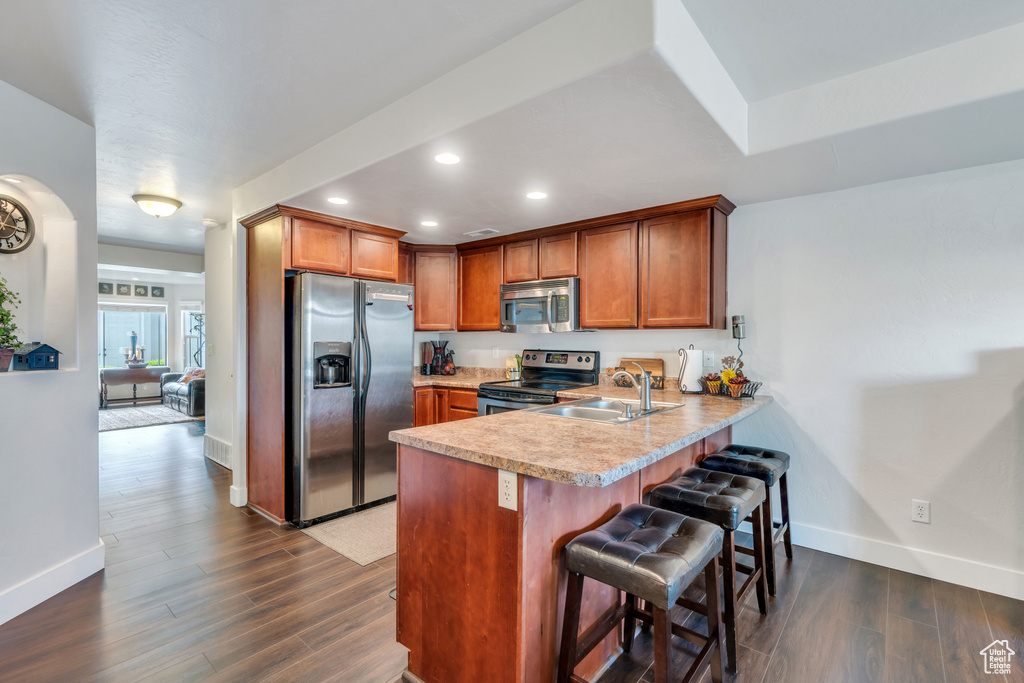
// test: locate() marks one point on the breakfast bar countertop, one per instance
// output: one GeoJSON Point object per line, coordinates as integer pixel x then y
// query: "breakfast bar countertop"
{"type": "Point", "coordinates": [581, 452]}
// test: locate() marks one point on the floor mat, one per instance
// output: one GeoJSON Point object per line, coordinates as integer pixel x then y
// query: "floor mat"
{"type": "Point", "coordinates": [128, 417]}
{"type": "Point", "coordinates": [363, 537]}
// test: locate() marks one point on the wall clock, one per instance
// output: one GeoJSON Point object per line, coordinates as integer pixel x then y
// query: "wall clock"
{"type": "Point", "coordinates": [16, 226]}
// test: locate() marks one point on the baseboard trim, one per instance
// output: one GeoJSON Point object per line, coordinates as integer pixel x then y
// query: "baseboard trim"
{"type": "Point", "coordinates": [963, 572]}
{"type": "Point", "coordinates": [239, 496]}
{"type": "Point", "coordinates": [45, 585]}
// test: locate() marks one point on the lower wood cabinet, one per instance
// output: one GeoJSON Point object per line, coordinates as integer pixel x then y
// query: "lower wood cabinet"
{"type": "Point", "coordinates": [436, 405]}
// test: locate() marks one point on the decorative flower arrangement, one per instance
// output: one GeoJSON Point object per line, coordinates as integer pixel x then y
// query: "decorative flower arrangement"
{"type": "Point", "coordinates": [736, 385]}
{"type": "Point", "coordinates": [8, 330]}
{"type": "Point", "coordinates": [713, 381]}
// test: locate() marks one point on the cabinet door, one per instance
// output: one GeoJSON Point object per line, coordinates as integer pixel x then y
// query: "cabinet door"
{"type": "Point", "coordinates": [318, 246]}
{"type": "Point", "coordinates": [460, 414]}
{"type": "Point", "coordinates": [676, 270]}
{"type": "Point", "coordinates": [441, 405]}
{"type": "Point", "coordinates": [521, 261]}
{"type": "Point", "coordinates": [435, 290]}
{"type": "Point", "coordinates": [608, 276]}
{"type": "Point", "coordinates": [374, 256]}
{"type": "Point", "coordinates": [558, 255]}
{"type": "Point", "coordinates": [405, 264]}
{"type": "Point", "coordinates": [424, 406]}
{"type": "Point", "coordinates": [479, 279]}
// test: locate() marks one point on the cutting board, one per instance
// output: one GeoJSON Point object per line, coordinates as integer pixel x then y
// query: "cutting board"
{"type": "Point", "coordinates": [655, 366]}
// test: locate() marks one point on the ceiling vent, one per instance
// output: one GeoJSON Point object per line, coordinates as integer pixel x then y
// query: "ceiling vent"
{"type": "Point", "coordinates": [482, 233]}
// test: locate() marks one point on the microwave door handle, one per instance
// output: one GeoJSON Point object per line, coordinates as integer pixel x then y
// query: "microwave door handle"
{"type": "Point", "coordinates": [551, 315]}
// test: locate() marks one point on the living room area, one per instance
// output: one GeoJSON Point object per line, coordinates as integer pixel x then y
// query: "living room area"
{"type": "Point", "coordinates": [151, 337]}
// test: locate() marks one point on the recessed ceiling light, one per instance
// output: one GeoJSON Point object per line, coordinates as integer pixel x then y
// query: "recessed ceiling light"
{"type": "Point", "coordinates": [447, 158]}
{"type": "Point", "coordinates": [429, 224]}
{"type": "Point", "coordinates": [12, 180]}
{"type": "Point", "coordinates": [156, 205]}
{"type": "Point", "coordinates": [136, 279]}
{"type": "Point", "coordinates": [537, 195]}
{"type": "Point", "coordinates": [337, 200]}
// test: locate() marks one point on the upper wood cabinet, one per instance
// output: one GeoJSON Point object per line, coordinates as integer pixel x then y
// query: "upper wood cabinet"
{"type": "Point", "coordinates": [374, 256]}
{"type": "Point", "coordinates": [608, 276]}
{"type": "Point", "coordinates": [480, 273]}
{"type": "Point", "coordinates": [682, 270]}
{"type": "Point", "coordinates": [319, 246]}
{"type": "Point", "coordinates": [435, 290]}
{"type": "Point", "coordinates": [521, 261]}
{"type": "Point", "coordinates": [558, 255]}
{"type": "Point", "coordinates": [405, 264]}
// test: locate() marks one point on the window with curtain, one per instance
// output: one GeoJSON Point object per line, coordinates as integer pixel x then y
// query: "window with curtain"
{"type": "Point", "coordinates": [193, 335]}
{"type": "Point", "coordinates": [117, 322]}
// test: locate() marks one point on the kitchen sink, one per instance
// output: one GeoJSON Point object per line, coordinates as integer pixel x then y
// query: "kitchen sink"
{"type": "Point", "coordinates": [607, 410]}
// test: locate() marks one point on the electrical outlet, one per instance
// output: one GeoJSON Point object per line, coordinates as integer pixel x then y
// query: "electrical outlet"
{"type": "Point", "coordinates": [921, 511]}
{"type": "Point", "coordinates": [508, 490]}
{"type": "Point", "coordinates": [494, 352]}
{"type": "Point", "coordinates": [709, 358]}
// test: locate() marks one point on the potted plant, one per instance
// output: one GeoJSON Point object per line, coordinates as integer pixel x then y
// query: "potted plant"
{"type": "Point", "coordinates": [8, 339]}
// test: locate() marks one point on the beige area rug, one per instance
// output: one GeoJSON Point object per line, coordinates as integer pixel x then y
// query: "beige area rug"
{"type": "Point", "coordinates": [362, 537]}
{"type": "Point", "coordinates": [128, 417]}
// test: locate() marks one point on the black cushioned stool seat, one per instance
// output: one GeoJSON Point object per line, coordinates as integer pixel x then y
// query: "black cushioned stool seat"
{"type": "Point", "coordinates": [654, 555]}
{"type": "Point", "coordinates": [726, 500]}
{"type": "Point", "coordinates": [769, 466]}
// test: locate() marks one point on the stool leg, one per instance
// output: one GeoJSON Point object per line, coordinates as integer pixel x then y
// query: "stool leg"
{"type": "Point", "coordinates": [769, 545]}
{"type": "Point", "coordinates": [759, 563]}
{"type": "Point", "coordinates": [662, 645]}
{"type": "Point", "coordinates": [714, 619]}
{"type": "Point", "coordinates": [784, 495]}
{"type": "Point", "coordinates": [629, 625]}
{"type": "Point", "coordinates": [729, 610]}
{"type": "Point", "coordinates": [570, 627]}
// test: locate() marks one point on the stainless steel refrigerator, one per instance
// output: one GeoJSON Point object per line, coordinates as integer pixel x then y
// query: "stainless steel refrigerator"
{"type": "Point", "coordinates": [349, 373]}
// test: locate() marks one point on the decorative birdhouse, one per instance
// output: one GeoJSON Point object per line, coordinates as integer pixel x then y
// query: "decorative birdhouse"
{"type": "Point", "coordinates": [36, 356]}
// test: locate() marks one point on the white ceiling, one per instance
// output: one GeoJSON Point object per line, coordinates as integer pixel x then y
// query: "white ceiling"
{"type": "Point", "coordinates": [195, 98]}
{"type": "Point", "coordinates": [774, 47]}
{"type": "Point", "coordinates": [192, 98]}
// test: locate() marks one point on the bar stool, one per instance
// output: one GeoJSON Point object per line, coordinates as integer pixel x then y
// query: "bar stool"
{"type": "Point", "coordinates": [726, 500]}
{"type": "Point", "coordinates": [652, 555]}
{"type": "Point", "coordinates": [769, 466]}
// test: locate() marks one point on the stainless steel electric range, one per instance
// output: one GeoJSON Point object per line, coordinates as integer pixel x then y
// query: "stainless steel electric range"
{"type": "Point", "coordinates": [545, 373]}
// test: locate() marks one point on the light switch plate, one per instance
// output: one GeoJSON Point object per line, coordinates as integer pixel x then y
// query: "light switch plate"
{"type": "Point", "coordinates": [709, 358]}
{"type": "Point", "coordinates": [508, 490]}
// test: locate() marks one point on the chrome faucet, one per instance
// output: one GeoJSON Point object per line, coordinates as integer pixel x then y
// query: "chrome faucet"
{"type": "Point", "coordinates": [643, 387]}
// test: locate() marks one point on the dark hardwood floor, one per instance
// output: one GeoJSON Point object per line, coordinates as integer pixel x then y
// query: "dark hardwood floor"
{"type": "Point", "coordinates": [196, 589]}
{"type": "Point", "coordinates": [837, 620]}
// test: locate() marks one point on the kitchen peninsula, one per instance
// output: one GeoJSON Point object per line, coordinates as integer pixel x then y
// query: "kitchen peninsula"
{"type": "Point", "coordinates": [480, 587]}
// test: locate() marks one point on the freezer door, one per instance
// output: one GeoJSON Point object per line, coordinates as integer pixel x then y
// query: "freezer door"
{"type": "Point", "coordinates": [385, 382]}
{"type": "Point", "coordinates": [323, 462]}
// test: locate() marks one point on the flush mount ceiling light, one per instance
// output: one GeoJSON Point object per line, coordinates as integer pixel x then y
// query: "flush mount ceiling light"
{"type": "Point", "coordinates": [447, 158]}
{"type": "Point", "coordinates": [337, 200]}
{"type": "Point", "coordinates": [537, 195]}
{"type": "Point", "coordinates": [156, 205]}
{"type": "Point", "coordinates": [13, 180]}
{"type": "Point", "coordinates": [429, 224]}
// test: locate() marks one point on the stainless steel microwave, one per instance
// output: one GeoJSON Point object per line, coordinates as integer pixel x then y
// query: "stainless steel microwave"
{"type": "Point", "coordinates": [541, 306]}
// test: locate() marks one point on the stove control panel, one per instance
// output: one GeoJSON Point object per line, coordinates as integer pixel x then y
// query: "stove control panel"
{"type": "Point", "coordinates": [561, 360]}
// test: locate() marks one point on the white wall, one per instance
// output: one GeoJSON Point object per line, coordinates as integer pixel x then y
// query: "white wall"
{"type": "Point", "coordinates": [49, 477]}
{"type": "Point", "coordinates": [888, 322]}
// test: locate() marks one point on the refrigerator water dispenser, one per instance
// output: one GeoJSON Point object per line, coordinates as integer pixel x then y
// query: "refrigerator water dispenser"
{"type": "Point", "coordinates": [333, 362]}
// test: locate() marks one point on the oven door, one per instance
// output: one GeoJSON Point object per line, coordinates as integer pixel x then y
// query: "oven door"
{"type": "Point", "coordinates": [487, 405]}
{"type": "Point", "coordinates": [541, 306]}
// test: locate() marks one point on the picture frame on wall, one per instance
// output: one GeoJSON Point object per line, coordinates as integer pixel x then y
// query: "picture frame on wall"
{"type": "Point", "coordinates": [124, 290]}
{"type": "Point", "coordinates": [141, 290]}
{"type": "Point", "coordinates": [157, 292]}
{"type": "Point", "coordinates": [107, 288]}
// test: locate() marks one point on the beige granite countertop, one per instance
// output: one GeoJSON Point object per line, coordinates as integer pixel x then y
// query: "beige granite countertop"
{"type": "Point", "coordinates": [580, 452]}
{"type": "Point", "coordinates": [464, 378]}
